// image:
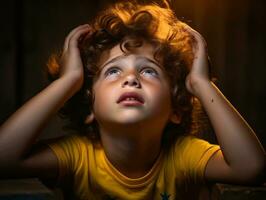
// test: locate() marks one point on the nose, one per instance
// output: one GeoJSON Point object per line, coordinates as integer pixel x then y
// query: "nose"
{"type": "Point", "coordinates": [131, 81]}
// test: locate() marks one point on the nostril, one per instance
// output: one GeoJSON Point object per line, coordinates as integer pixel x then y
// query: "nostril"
{"type": "Point", "coordinates": [133, 82]}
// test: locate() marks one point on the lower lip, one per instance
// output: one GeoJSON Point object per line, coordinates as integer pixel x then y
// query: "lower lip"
{"type": "Point", "coordinates": [131, 103]}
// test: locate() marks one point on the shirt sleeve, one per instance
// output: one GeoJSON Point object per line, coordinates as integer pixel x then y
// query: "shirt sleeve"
{"type": "Point", "coordinates": [66, 150]}
{"type": "Point", "coordinates": [193, 156]}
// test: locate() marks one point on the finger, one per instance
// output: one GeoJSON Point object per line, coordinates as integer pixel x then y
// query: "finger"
{"type": "Point", "coordinates": [66, 43]}
{"type": "Point", "coordinates": [199, 45]}
{"type": "Point", "coordinates": [199, 40]}
{"type": "Point", "coordinates": [77, 36]}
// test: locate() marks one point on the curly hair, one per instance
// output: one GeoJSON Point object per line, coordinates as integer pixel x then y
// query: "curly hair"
{"type": "Point", "coordinates": [128, 23]}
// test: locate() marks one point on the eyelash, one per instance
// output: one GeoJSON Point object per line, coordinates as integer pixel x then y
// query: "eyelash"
{"type": "Point", "coordinates": [111, 69]}
{"type": "Point", "coordinates": [150, 69]}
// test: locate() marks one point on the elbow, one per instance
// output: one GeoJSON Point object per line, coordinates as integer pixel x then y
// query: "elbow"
{"type": "Point", "coordinates": [254, 173]}
{"type": "Point", "coordinates": [259, 175]}
{"type": "Point", "coordinates": [9, 168]}
{"type": "Point", "coordinates": [257, 178]}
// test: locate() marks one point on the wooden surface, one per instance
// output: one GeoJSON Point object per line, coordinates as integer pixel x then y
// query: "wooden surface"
{"type": "Point", "coordinates": [31, 189]}
{"type": "Point", "coordinates": [235, 192]}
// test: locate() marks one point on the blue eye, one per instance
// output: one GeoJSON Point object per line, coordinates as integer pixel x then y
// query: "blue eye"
{"type": "Point", "coordinates": [149, 71]}
{"type": "Point", "coordinates": [112, 71]}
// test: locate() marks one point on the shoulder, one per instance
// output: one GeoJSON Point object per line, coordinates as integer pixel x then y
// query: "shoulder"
{"type": "Point", "coordinates": [191, 155]}
{"type": "Point", "coordinates": [191, 142]}
{"type": "Point", "coordinates": [71, 152]}
{"type": "Point", "coordinates": [69, 145]}
{"type": "Point", "coordinates": [71, 139]}
{"type": "Point", "coordinates": [192, 149]}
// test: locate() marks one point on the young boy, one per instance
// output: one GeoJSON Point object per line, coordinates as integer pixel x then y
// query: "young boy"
{"type": "Point", "coordinates": [126, 82]}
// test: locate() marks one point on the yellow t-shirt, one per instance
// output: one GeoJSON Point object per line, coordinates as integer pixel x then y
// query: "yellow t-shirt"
{"type": "Point", "coordinates": [176, 175]}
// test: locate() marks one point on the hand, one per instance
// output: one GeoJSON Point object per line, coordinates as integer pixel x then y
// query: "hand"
{"type": "Point", "coordinates": [199, 71]}
{"type": "Point", "coordinates": [70, 62]}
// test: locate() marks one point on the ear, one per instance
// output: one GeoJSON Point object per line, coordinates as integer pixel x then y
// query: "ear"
{"type": "Point", "coordinates": [175, 118]}
{"type": "Point", "coordinates": [89, 119]}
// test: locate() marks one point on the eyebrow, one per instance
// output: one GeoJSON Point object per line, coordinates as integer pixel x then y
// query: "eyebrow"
{"type": "Point", "coordinates": [142, 57]}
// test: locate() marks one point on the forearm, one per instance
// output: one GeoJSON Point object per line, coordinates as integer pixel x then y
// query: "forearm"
{"type": "Point", "coordinates": [19, 132]}
{"type": "Point", "coordinates": [238, 141]}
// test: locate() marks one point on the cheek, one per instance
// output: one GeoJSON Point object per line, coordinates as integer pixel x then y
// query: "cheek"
{"type": "Point", "coordinates": [159, 94]}
{"type": "Point", "coordinates": [103, 95]}
{"type": "Point", "coordinates": [97, 98]}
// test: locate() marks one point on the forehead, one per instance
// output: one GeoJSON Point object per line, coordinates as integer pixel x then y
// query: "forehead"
{"type": "Point", "coordinates": [145, 50]}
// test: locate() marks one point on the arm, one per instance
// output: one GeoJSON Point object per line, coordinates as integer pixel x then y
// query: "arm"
{"type": "Point", "coordinates": [242, 157]}
{"type": "Point", "coordinates": [19, 132]}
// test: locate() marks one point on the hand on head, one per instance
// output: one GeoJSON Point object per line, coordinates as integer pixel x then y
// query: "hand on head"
{"type": "Point", "coordinates": [200, 66]}
{"type": "Point", "coordinates": [70, 62]}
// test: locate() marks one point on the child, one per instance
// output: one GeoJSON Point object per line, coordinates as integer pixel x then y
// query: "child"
{"type": "Point", "coordinates": [126, 83]}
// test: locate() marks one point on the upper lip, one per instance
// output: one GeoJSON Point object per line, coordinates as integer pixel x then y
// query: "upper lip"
{"type": "Point", "coordinates": [130, 94]}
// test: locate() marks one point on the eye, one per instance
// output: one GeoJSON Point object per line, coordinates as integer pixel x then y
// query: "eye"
{"type": "Point", "coordinates": [148, 71]}
{"type": "Point", "coordinates": [112, 71]}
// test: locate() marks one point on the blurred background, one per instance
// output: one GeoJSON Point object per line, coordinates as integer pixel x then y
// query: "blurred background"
{"type": "Point", "coordinates": [235, 32]}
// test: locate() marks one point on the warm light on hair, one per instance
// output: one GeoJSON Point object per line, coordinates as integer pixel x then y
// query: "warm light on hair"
{"type": "Point", "coordinates": [152, 23]}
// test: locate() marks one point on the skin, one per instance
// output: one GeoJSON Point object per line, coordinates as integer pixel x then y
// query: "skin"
{"type": "Point", "coordinates": [241, 159]}
{"type": "Point", "coordinates": [130, 132]}
{"type": "Point", "coordinates": [22, 158]}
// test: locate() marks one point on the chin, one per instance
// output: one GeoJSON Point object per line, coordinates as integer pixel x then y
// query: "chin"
{"type": "Point", "coordinates": [130, 121]}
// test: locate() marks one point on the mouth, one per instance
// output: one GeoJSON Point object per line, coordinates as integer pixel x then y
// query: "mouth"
{"type": "Point", "coordinates": [130, 98]}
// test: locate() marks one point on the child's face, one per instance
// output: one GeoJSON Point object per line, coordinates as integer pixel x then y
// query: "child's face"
{"type": "Point", "coordinates": [142, 81]}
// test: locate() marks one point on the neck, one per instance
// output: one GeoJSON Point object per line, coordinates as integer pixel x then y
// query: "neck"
{"type": "Point", "coordinates": [132, 150]}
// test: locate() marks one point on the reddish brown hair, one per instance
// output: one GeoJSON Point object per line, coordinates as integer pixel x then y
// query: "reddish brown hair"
{"type": "Point", "coordinates": [127, 23]}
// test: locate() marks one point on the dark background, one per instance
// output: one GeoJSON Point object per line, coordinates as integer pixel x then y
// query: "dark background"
{"type": "Point", "coordinates": [235, 31]}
